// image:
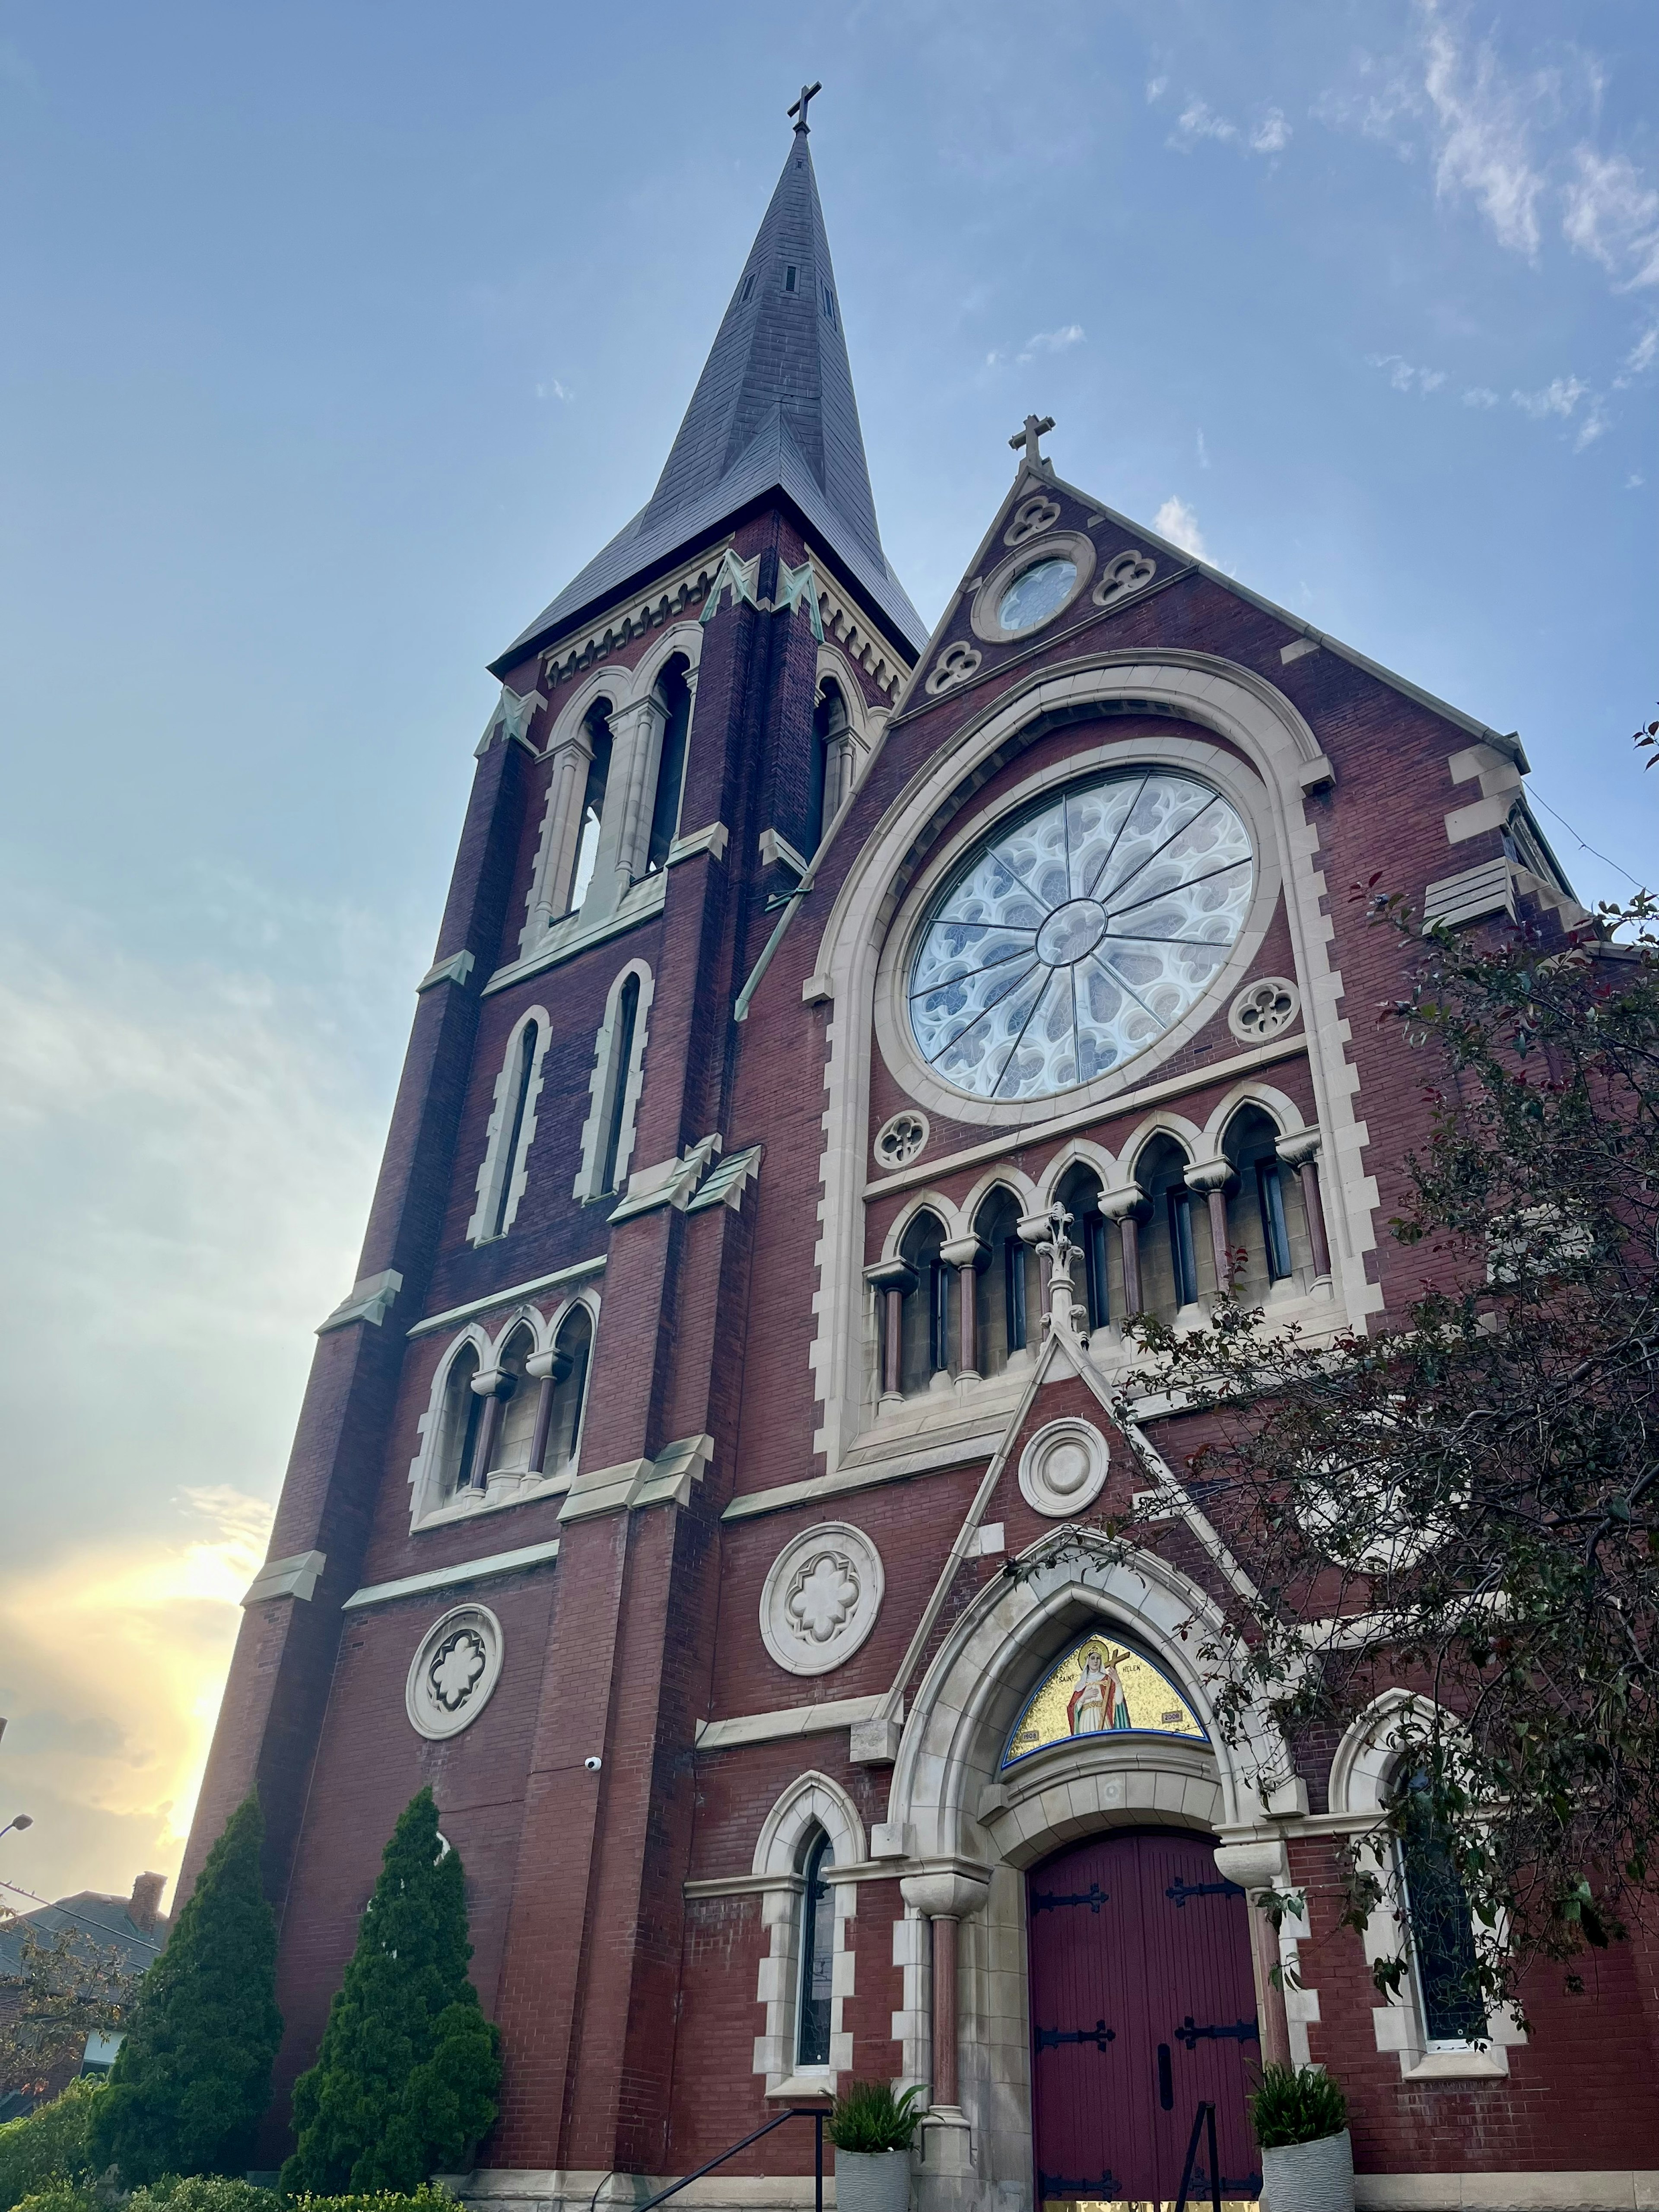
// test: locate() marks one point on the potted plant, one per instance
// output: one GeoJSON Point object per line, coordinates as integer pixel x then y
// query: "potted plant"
{"type": "Point", "coordinates": [1301, 2122]}
{"type": "Point", "coordinates": [872, 2129]}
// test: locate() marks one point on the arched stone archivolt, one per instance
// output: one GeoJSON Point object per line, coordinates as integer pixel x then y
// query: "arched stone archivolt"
{"type": "Point", "coordinates": [812, 1803]}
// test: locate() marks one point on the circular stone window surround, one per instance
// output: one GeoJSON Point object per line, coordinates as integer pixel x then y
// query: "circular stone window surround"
{"type": "Point", "coordinates": [453, 1673]}
{"type": "Point", "coordinates": [1211, 763]}
{"type": "Point", "coordinates": [901, 1139]}
{"type": "Point", "coordinates": [1264, 1008]}
{"type": "Point", "coordinates": [1052, 546]}
{"type": "Point", "coordinates": [821, 1597]}
{"type": "Point", "coordinates": [1062, 1469]}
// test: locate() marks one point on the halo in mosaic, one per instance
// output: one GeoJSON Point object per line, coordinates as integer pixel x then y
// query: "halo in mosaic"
{"type": "Point", "coordinates": [1073, 937]}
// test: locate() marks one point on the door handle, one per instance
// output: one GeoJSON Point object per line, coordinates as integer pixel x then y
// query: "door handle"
{"type": "Point", "coordinates": [1165, 2079]}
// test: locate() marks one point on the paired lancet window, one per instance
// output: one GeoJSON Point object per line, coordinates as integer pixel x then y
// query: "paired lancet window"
{"type": "Point", "coordinates": [514, 1421]}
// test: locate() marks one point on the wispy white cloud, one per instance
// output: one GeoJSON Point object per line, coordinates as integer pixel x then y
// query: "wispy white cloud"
{"type": "Point", "coordinates": [1613, 215]}
{"type": "Point", "coordinates": [1176, 521]}
{"type": "Point", "coordinates": [1203, 451]}
{"type": "Point", "coordinates": [1480, 395]}
{"type": "Point", "coordinates": [1558, 396]}
{"type": "Point", "coordinates": [1055, 341]}
{"type": "Point", "coordinates": [1482, 122]}
{"type": "Point", "coordinates": [1155, 88]}
{"type": "Point", "coordinates": [1404, 376]}
{"type": "Point", "coordinates": [1197, 120]}
{"type": "Point", "coordinates": [554, 389]}
{"type": "Point", "coordinates": [1642, 356]}
{"type": "Point", "coordinates": [1634, 481]}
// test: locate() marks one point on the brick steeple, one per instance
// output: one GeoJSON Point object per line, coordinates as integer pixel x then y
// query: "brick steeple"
{"type": "Point", "coordinates": [774, 410]}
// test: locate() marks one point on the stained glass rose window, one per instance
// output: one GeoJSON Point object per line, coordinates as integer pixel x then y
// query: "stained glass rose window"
{"type": "Point", "coordinates": [1075, 935]}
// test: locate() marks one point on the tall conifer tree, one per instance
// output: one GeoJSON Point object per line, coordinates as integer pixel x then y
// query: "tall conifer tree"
{"type": "Point", "coordinates": [405, 2084]}
{"type": "Point", "coordinates": [192, 2079]}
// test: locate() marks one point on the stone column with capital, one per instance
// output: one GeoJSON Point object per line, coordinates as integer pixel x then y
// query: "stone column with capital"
{"type": "Point", "coordinates": [967, 1255]}
{"type": "Point", "coordinates": [1211, 1179]}
{"type": "Point", "coordinates": [637, 733]}
{"type": "Point", "coordinates": [1123, 1206]}
{"type": "Point", "coordinates": [947, 1899]}
{"type": "Point", "coordinates": [893, 1280]}
{"type": "Point", "coordinates": [549, 1369]}
{"type": "Point", "coordinates": [1255, 1867]}
{"type": "Point", "coordinates": [494, 1386]}
{"type": "Point", "coordinates": [1301, 1151]}
{"type": "Point", "coordinates": [561, 830]}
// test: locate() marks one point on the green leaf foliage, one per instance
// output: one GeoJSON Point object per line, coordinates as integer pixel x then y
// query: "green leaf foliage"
{"type": "Point", "coordinates": [191, 2081]}
{"type": "Point", "coordinates": [49, 2145]}
{"type": "Point", "coordinates": [428, 2198]}
{"type": "Point", "coordinates": [867, 2116]}
{"type": "Point", "coordinates": [202, 2192]}
{"type": "Point", "coordinates": [63, 2196]}
{"type": "Point", "coordinates": [405, 2084]}
{"type": "Point", "coordinates": [1297, 2104]}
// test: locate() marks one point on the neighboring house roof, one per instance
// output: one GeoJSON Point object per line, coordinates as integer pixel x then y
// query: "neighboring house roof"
{"type": "Point", "coordinates": [774, 410]}
{"type": "Point", "coordinates": [107, 1921]}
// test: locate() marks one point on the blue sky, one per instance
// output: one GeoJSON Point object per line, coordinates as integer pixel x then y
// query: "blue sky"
{"type": "Point", "coordinates": [338, 337]}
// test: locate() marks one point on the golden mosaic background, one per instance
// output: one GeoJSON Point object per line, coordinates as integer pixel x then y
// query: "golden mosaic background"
{"type": "Point", "coordinates": [1154, 1702]}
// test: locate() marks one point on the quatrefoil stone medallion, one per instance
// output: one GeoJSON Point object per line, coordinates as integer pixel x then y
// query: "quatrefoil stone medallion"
{"type": "Point", "coordinates": [821, 1598]}
{"type": "Point", "coordinates": [453, 1673]}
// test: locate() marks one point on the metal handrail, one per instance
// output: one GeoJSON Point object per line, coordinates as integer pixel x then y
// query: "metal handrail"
{"type": "Point", "coordinates": [1204, 2115]}
{"type": "Point", "coordinates": [813, 2113]}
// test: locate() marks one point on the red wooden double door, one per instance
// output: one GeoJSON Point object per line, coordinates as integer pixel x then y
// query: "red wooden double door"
{"type": "Point", "coordinates": [1143, 2005]}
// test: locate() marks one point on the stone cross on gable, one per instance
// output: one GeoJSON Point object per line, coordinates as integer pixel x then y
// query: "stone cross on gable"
{"type": "Point", "coordinates": [1035, 426]}
{"type": "Point", "coordinates": [808, 93]}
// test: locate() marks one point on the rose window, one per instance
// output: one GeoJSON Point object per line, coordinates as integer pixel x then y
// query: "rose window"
{"type": "Point", "coordinates": [1072, 937]}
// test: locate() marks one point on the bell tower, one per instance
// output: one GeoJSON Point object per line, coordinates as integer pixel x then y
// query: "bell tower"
{"type": "Point", "coordinates": [493, 1558]}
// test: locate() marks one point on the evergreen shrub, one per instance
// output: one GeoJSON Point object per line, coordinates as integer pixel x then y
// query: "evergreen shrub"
{"type": "Point", "coordinates": [428, 2198]}
{"type": "Point", "coordinates": [191, 2080]}
{"type": "Point", "coordinates": [406, 2081]}
{"type": "Point", "coordinates": [47, 2146]}
{"type": "Point", "coordinates": [202, 2192]}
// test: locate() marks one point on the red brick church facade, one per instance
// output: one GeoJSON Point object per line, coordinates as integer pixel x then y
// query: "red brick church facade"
{"type": "Point", "coordinates": [835, 1030]}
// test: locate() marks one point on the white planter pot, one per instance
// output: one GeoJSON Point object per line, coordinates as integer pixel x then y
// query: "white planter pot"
{"type": "Point", "coordinates": [1311, 2177]}
{"type": "Point", "coordinates": [872, 2181]}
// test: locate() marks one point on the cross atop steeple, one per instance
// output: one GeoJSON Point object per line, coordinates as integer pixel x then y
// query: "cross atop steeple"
{"type": "Point", "coordinates": [808, 93]}
{"type": "Point", "coordinates": [1035, 428]}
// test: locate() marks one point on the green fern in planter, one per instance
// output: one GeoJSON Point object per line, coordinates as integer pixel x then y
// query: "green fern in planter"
{"type": "Point", "coordinates": [868, 2117]}
{"type": "Point", "coordinates": [1297, 2104]}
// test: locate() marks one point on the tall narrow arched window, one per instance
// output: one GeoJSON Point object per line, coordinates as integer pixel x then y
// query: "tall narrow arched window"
{"type": "Point", "coordinates": [518, 1418]}
{"type": "Point", "coordinates": [461, 1416]}
{"type": "Point", "coordinates": [507, 1173]}
{"type": "Point", "coordinates": [1169, 1250]}
{"type": "Point", "coordinates": [573, 1351]}
{"type": "Point", "coordinates": [1265, 1217]}
{"type": "Point", "coordinates": [597, 724]}
{"type": "Point", "coordinates": [926, 1312]}
{"type": "Point", "coordinates": [1003, 1285]}
{"type": "Point", "coordinates": [628, 1015]}
{"type": "Point", "coordinates": [675, 695]}
{"type": "Point", "coordinates": [829, 723]}
{"type": "Point", "coordinates": [817, 1953]}
{"type": "Point", "coordinates": [1079, 1193]}
{"type": "Point", "coordinates": [1442, 1930]}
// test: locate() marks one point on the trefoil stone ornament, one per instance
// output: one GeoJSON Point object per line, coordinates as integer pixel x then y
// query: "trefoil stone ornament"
{"type": "Point", "coordinates": [821, 1598]}
{"type": "Point", "coordinates": [955, 665]}
{"type": "Point", "coordinates": [453, 1673]}
{"type": "Point", "coordinates": [1031, 518]}
{"type": "Point", "coordinates": [1125, 574]}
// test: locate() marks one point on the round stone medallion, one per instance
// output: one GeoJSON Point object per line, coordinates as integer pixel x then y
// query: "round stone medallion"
{"type": "Point", "coordinates": [453, 1673]}
{"type": "Point", "coordinates": [821, 1598]}
{"type": "Point", "coordinates": [1063, 1468]}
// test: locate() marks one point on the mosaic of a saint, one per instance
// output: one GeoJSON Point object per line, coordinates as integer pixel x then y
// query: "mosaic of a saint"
{"type": "Point", "coordinates": [1098, 1703]}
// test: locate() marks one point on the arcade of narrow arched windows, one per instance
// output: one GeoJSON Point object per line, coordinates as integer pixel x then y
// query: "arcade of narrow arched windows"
{"type": "Point", "coordinates": [960, 1290]}
{"type": "Point", "coordinates": [505, 1418]}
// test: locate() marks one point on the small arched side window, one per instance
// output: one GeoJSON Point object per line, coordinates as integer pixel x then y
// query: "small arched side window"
{"type": "Point", "coordinates": [573, 1350]}
{"type": "Point", "coordinates": [614, 1086]}
{"type": "Point", "coordinates": [674, 694]}
{"type": "Point", "coordinates": [1002, 1285]}
{"type": "Point", "coordinates": [926, 1312]}
{"type": "Point", "coordinates": [528, 1039]}
{"type": "Point", "coordinates": [817, 1953]}
{"type": "Point", "coordinates": [462, 1416]}
{"type": "Point", "coordinates": [1267, 1217]}
{"type": "Point", "coordinates": [518, 1416]}
{"type": "Point", "coordinates": [1169, 1250]}
{"type": "Point", "coordinates": [1443, 1928]}
{"type": "Point", "coordinates": [1079, 1193]}
{"type": "Point", "coordinates": [597, 724]}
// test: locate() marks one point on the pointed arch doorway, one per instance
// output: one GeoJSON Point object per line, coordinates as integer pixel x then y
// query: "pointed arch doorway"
{"type": "Point", "coordinates": [1142, 2005]}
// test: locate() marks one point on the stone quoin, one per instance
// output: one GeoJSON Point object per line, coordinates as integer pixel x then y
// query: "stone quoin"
{"type": "Point", "coordinates": [835, 1030]}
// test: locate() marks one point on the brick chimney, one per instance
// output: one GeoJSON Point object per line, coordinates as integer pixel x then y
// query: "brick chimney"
{"type": "Point", "coordinates": [146, 1901]}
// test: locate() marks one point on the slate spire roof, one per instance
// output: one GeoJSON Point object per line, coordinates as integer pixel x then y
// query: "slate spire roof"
{"type": "Point", "coordinates": [773, 409]}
